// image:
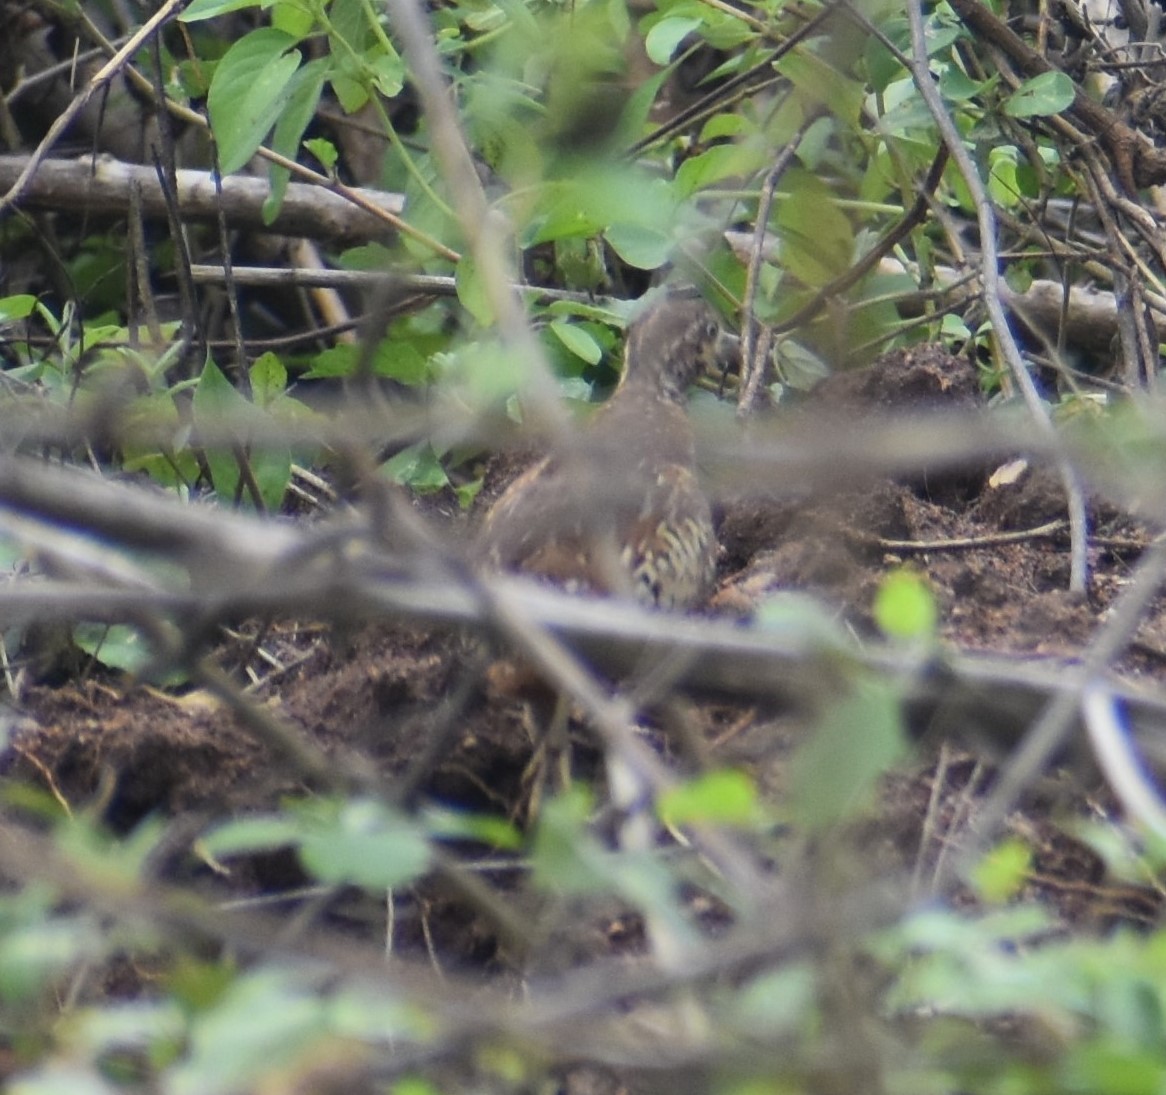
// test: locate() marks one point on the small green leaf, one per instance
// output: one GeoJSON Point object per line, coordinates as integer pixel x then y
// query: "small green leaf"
{"type": "Point", "coordinates": [388, 73]}
{"type": "Point", "coordinates": [114, 645]}
{"type": "Point", "coordinates": [1001, 873]}
{"type": "Point", "coordinates": [336, 361]}
{"type": "Point", "coordinates": [472, 292]}
{"type": "Point", "coordinates": [268, 379]}
{"type": "Point", "coordinates": [446, 824]}
{"type": "Point", "coordinates": [904, 606]}
{"type": "Point", "coordinates": [722, 797]}
{"type": "Point", "coordinates": [216, 401]}
{"type": "Point", "coordinates": [417, 467]}
{"type": "Point", "coordinates": [1048, 93]}
{"type": "Point", "coordinates": [260, 833]}
{"type": "Point", "coordinates": [467, 492]}
{"type": "Point", "coordinates": [722, 161]}
{"type": "Point", "coordinates": [565, 856]}
{"type": "Point", "coordinates": [580, 342]}
{"type": "Point", "coordinates": [324, 151]}
{"type": "Point", "coordinates": [18, 306]}
{"type": "Point", "coordinates": [664, 38]}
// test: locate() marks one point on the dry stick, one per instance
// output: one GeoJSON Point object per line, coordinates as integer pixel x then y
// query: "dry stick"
{"type": "Point", "coordinates": [969, 543]}
{"type": "Point", "coordinates": [1119, 761]}
{"type": "Point", "coordinates": [103, 187]}
{"type": "Point", "coordinates": [228, 279]}
{"type": "Point", "coordinates": [1051, 730]}
{"type": "Point", "coordinates": [165, 160]}
{"type": "Point", "coordinates": [752, 364]}
{"type": "Point", "coordinates": [99, 81]}
{"type": "Point", "coordinates": [1078, 527]}
{"type": "Point", "coordinates": [140, 294]}
{"type": "Point", "coordinates": [437, 285]}
{"type": "Point", "coordinates": [1128, 298]}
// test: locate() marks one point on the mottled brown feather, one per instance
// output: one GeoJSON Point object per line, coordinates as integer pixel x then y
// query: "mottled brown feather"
{"type": "Point", "coordinates": [623, 512]}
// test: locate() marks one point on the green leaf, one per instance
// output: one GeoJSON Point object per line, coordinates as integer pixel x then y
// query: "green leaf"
{"type": "Point", "coordinates": [365, 845]}
{"type": "Point", "coordinates": [446, 824]}
{"type": "Point", "coordinates": [662, 40]}
{"type": "Point", "coordinates": [293, 17]}
{"type": "Point", "coordinates": [259, 1032]}
{"type": "Point", "coordinates": [722, 161]}
{"type": "Point", "coordinates": [336, 361]}
{"type": "Point", "coordinates": [250, 88]}
{"type": "Point", "coordinates": [388, 73]}
{"type": "Point", "coordinates": [801, 617]}
{"type": "Point", "coordinates": [114, 645]}
{"type": "Point", "coordinates": [19, 306]}
{"type": "Point", "coordinates": [303, 97]}
{"type": "Point", "coordinates": [817, 236]}
{"type": "Point", "coordinates": [394, 359]}
{"type": "Point", "coordinates": [215, 402]}
{"type": "Point", "coordinates": [799, 366]}
{"type": "Point", "coordinates": [580, 342]}
{"type": "Point", "coordinates": [834, 773]}
{"type": "Point", "coordinates": [417, 467]}
{"type": "Point", "coordinates": [271, 467]}
{"type": "Point", "coordinates": [268, 379]}
{"type": "Point", "coordinates": [565, 856]}
{"type": "Point", "coordinates": [1000, 875]}
{"type": "Point", "coordinates": [722, 797]}
{"type": "Point", "coordinates": [904, 607]}
{"type": "Point", "coordinates": [1048, 93]}
{"type": "Point", "coordinates": [31, 954]}
{"type": "Point", "coordinates": [472, 292]}
{"type": "Point", "coordinates": [208, 9]}
{"type": "Point", "coordinates": [634, 116]}
{"type": "Point", "coordinates": [324, 151]}
{"type": "Point", "coordinates": [643, 246]}
{"type": "Point", "coordinates": [261, 833]}
{"type": "Point", "coordinates": [1003, 184]}
{"type": "Point", "coordinates": [821, 82]}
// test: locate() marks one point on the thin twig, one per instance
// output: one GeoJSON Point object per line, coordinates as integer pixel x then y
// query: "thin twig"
{"type": "Point", "coordinates": [98, 81]}
{"type": "Point", "coordinates": [752, 365]}
{"type": "Point", "coordinates": [989, 272]}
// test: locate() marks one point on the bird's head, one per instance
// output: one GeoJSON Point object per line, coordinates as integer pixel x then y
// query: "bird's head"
{"type": "Point", "coordinates": [672, 342]}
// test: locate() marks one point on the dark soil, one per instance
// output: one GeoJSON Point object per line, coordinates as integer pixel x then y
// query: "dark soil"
{"type": "Point", "coordinates": [410, 709]}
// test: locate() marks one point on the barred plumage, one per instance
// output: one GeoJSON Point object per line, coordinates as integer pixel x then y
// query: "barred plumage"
{"type": "Point", "coordinates": [622, 512]}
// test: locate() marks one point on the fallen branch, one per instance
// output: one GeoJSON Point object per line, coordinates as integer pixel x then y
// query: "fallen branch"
{"type": "Point", "coordinates": [102, 185]}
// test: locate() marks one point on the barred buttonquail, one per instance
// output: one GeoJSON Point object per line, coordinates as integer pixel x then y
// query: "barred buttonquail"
{"type": "Point", "coordinates": [622, 512]}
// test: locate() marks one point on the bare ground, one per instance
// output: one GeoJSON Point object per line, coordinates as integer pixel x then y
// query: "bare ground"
{"type": "Point", "coordinates": [411, 706]}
